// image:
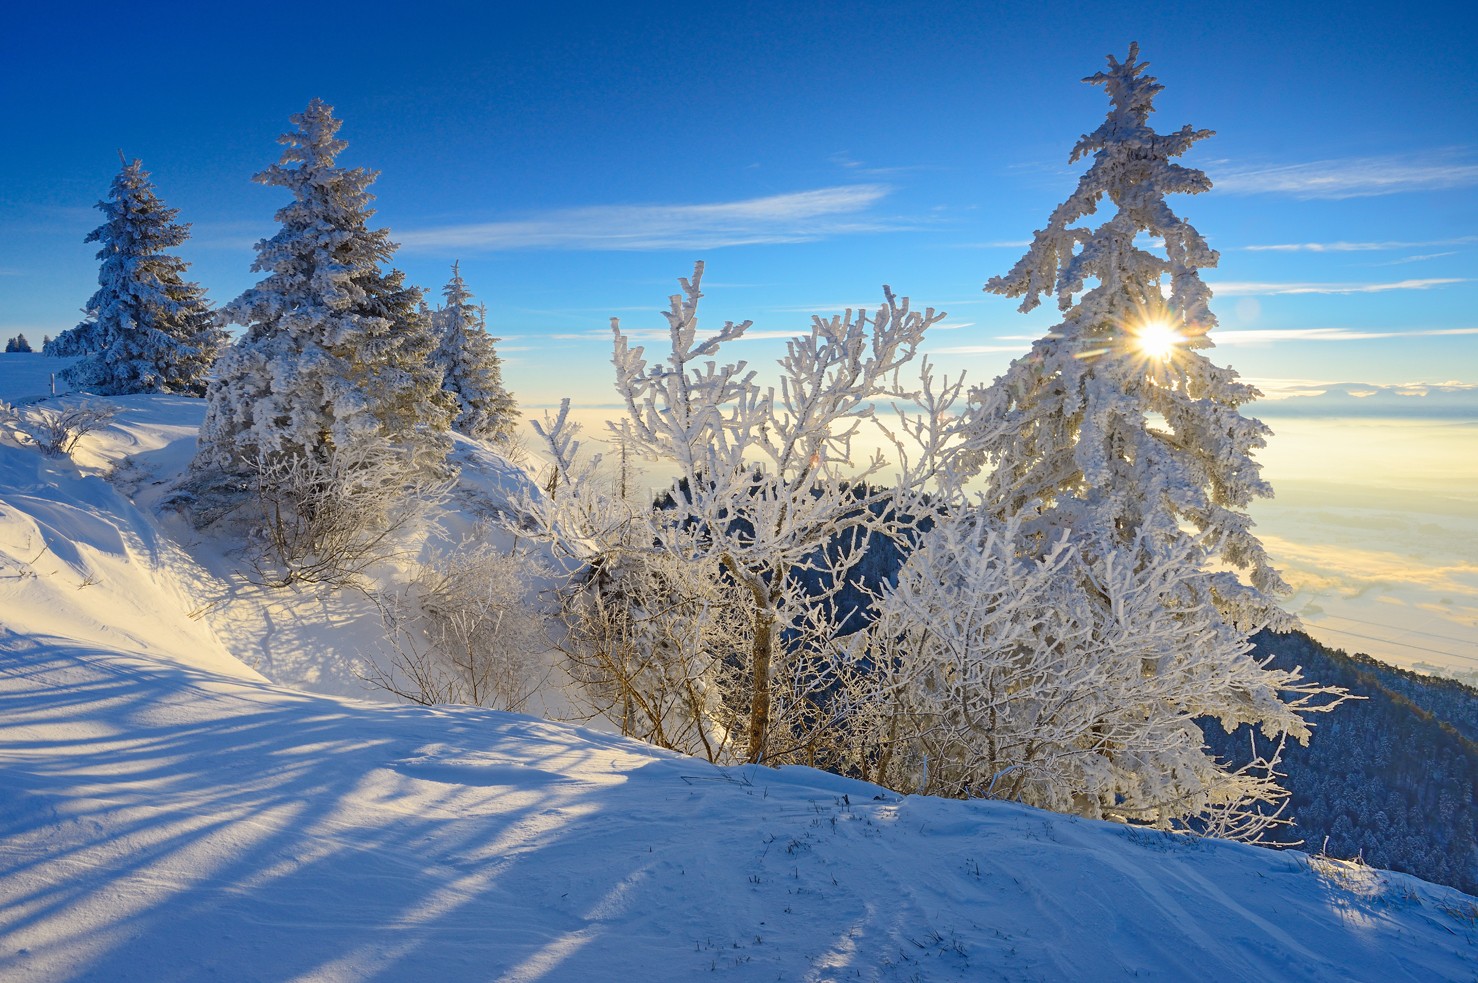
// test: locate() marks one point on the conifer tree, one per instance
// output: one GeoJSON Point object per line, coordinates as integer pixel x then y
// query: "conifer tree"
{"type": "Point", "coordinates": [1121, 430]}
{"type": "Point", "coordinates": [1120, 453]}
{"type": "Point", "coordinates": [147, 328]}
{"type": "Point", "coordinates": [471, 369]}
{"type": "Point", "coordinates": [336, 348]}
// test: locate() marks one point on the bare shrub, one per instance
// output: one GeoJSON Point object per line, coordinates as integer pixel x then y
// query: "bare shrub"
{"type": "Point", "coordinates": [330, 519]}
{"type": "Point", "coordinates": [56, 431]}
{"type": "Point", "coordinates": [654, 644]}
{"type": "Point", "coordinates": [466, 631]}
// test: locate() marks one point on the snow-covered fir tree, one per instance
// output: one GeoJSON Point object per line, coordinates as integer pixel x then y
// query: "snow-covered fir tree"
{"type": "Point", "coordinates": [18, 344]}
{"type": "Point", "coordinates": [1123, 441]}
{"type": "Point", "coordinates": [1122, 428]}
{"type": "Point", "coordinates": [147, 328]}
{"type": "Point", "coordinates": [471, 369]}
{"type": "Point", "coordinates": [336, 348]}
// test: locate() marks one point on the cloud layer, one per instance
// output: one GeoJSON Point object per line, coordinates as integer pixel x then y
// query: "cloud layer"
{"type": "Point", "coordinates": [801, 216]}
{"type": "Point", "coordinates": [1356, 247]}
{"type": "Point", "coordinates": [1356, 177]}
{"type": "Point", "coordinates": [1264, 336]}
{"type": "Point", "coordinates": [1241, 288]}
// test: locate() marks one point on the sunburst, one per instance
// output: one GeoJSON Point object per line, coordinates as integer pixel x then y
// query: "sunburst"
{"type": "Point", "coordinates": [1158, 340]}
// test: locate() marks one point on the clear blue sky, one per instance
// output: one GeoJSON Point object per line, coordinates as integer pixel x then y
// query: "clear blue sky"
{"type": "Point", "coordinates": [559, 156]}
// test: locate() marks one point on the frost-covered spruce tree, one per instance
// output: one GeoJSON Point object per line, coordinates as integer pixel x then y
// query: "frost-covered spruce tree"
{"type": "Point", "coordinates": [336, 350]}
{"type": "Point", "coordinates": [1122, 430]}
{"type": "Point", "coordinates": [1123, 441]}
{"type": "Point", "coordinates": [147, 328]}
{"type": "Point", "coordinates": [471, 369]}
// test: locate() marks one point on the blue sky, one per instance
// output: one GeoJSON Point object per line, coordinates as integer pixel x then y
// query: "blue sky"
{"type": "Point", "coordinates": [577, 162]}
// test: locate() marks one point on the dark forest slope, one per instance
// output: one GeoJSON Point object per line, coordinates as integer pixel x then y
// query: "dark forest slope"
{"type": "Point", "coordinates": [1389, 778]}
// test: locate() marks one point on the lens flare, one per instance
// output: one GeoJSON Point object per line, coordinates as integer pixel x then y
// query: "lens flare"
{"type": "Point", "coordinates": [1157, 339]}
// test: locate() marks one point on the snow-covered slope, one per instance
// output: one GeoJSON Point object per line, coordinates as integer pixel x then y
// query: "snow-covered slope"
{"type": "Point", "coordinates": [167, 814]}
{"type": "Point", "coordinates": [165, 823]}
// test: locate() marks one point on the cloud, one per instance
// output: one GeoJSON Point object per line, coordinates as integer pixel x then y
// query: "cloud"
{"type": "Point", "coordinates": [1264, 336]}
{"type": "Point", "coordinates": [826, 309]}
{"type": "Point", "coordinates": [979, 349]}
{"type": "Point", "coordinates": [1354, 570]}
{"type": "Point", "coordinates": [663, 336]}
{"type": "Point", "coordinates": [1002, 244]}
{"type": "Point", "coordinates": [846, 161]}
{"type": "Point", "coordinates": [1357, 247]}
{"type": "Point", "coordinates": [1238, 288]}
{"type": "Point", "coordinates": [1355, 177]}
{"type": "Point", "coordinates": [1429, 400]}
{"type": "Point", "coordinates": [801, 216]}
{"type": "Point", "coordinates": [1421, 258]}
{"type": "Point", "coordinates": [858, 304]}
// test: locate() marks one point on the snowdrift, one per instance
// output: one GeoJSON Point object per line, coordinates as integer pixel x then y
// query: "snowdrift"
{"type": "Point", "coordinates": [167, 813]}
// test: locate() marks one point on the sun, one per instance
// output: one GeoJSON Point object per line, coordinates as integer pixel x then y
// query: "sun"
{"type": "Point", "coordinates": [1157, 340]}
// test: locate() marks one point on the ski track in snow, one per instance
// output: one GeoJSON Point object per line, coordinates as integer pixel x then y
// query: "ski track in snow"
{"type": "Point", "coordinates": [168, 814]}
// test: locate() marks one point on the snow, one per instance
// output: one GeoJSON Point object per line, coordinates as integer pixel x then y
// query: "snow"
{"type": "Point", "coordinates": [27, 378]}
{"type": "Point", "coordinates": [167, 813]}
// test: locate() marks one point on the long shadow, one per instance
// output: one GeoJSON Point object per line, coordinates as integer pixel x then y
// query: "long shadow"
{"type": "Point", "coordinates": [252, 821]}
{"type": "Point", "coordinates": [159, 824]}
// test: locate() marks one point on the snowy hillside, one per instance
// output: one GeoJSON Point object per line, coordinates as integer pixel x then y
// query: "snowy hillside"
{"type": "Point", "coordinates": [167, 813]}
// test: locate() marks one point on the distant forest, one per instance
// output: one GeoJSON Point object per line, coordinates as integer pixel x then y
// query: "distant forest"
{"type": "Point", "coordinates": [1389, 778]}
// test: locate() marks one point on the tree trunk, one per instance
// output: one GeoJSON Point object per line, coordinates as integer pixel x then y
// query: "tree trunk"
{"type": "Point", "coordinates": [759, 701]}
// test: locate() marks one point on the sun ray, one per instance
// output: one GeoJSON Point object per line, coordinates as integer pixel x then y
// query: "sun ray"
{"type": "Point", "coordinates": [1157, 339]}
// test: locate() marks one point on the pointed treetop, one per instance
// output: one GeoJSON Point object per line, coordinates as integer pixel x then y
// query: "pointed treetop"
{"type": "Point", "coordinates": [1134, 167]}
{"type": "Point", "coordinates": [1130, 91]}
{"type": "Point", "coordinates": [455, 291]}
{"type": "Point", "coordinates": [314, 141]}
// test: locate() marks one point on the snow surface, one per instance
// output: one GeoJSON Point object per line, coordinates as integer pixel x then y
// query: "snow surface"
{"type": "Point", "coordinates": [166, 813]}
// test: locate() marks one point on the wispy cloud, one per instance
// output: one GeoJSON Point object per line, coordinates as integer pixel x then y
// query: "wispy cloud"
{"type": "Point", "coordinates": [1357, 247]}
{"type": "Point", "coordinates": [1354, 177]}
{"type": "Point", "coordinates": [1423, 257]}
{"type": "Point", "coordinates": [801, 216]}
{"type": "Point", "coordinates": [981, 349]}
{"type": "Point", "coordinates": [845, 160]}
{"type": "Point", "coordinates": [1239, 288]}
{"type": "Point", "coordinates": [1264, 336]}
{"type": "Point", "coordinates": [662, 336]}
{"type": "Point", "coordinates": [861, 304]}
{"type": "Point", "coordinates": [1001, 244]}
{"type": "Point", "coordinates": [856, 304]}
